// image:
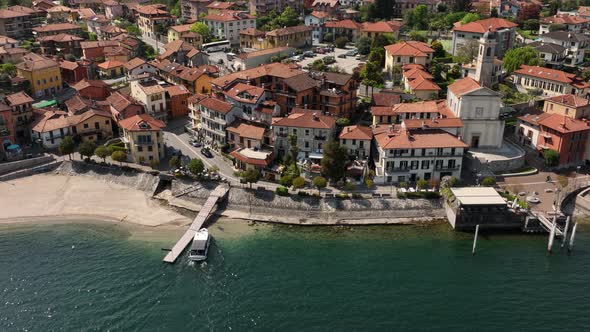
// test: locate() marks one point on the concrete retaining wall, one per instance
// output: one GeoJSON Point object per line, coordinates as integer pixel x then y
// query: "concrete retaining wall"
{"type": "Point", "coordinates": [30, 171]}
{"type": "Point", "coordinates": [14, 166]}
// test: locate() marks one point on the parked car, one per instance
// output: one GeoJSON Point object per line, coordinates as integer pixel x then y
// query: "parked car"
{"type": "Point", "coordinates": [329, 60]}
{"type": "Point", "coordinates": [343, 56]}
{"type": "Point", "coordinates": [206, 152]}
{"type": "Point", "coordinates": [297, 58]}
{"type": "Point", "coordinates": [352, 53]}
{"type": "Point", "coordinates": [308, 54]}
{"type": "Point", "coordinates": [358, 57]}
{"type": "Point", "coordinates": [195, 143]}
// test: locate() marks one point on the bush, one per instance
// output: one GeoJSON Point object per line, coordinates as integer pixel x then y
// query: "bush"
{"type": "Point", "coordinates": [421, 184]}
{"type": "Point", "coordinates": [298, 182]}
{"type": "Point", "coordinates": [357, 196]}
{"type": "Point", "coordinates": [350, 186]}
{"type": "Point", "coordinates": [488, 182]}
{"type": "Point", "coordinates": [341, 42]}
{"type": "Point", "coordinates": [174, 162]}
{"type": "Point", "coordinates": [196, 166]}
{"type": "Point", "coordinates": [282, 191]}
{"type": "Point", "coordinates": [551, 158]}
{"type": "Point", "coordinates": [419, 194]}
{"type": "Point", "coordinates": [369, 183]}
{"type": "Point", "coordinates": [286, 180]}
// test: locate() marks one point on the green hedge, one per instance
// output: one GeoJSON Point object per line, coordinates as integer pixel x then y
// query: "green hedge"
{"type": "Point", "coordinates": [282, 191]}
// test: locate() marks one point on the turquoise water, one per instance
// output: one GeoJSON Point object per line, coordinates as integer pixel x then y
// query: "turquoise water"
{"type": "Point", "coordinates": [98, 278]}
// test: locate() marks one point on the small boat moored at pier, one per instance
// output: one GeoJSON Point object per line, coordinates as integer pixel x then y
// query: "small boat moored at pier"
{"type": "Point", "coordinates": [200, 246]}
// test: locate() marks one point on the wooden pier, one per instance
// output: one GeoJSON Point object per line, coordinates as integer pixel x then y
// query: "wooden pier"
{"type": "Point", "coordinates": [216, 195]}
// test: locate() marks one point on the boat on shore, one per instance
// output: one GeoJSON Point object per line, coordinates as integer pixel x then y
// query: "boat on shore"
{"type": "Point", "coordinates": [200, 246]}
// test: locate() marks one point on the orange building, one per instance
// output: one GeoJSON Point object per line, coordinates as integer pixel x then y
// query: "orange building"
{"type": "Point", "coordinates": [177, 100]}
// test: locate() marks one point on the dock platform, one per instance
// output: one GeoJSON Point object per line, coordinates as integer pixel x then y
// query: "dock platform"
{"type": "Point", "coordinates": [216, 195]}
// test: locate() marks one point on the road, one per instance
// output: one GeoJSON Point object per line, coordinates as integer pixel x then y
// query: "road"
{"type": "Point", "coordinates": [153, 43]}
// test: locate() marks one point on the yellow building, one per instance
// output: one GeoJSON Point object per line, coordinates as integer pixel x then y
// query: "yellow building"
{"type": "Point", "coordinates": [184, 33]}
{"type": "Point", "coordinates": [296, 37]}
{"type": "Point", "coordinates": [143, 138]}
{"type": "Point", "coordinates": [569, 105]}
{"type": "Point", "coordinates": [42, 73]}
{"type": "Point", "coordinates": [92, 125]}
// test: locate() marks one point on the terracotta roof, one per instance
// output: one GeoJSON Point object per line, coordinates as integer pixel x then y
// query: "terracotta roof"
{"type": "Point", "coordinates": [7, 40]}
{"type": "Point", "coordinates": [463, 86]}
{"type": "Point", "coordinates": [301, 82]}
{"type": "Point", "coordinates": [216, 105]}
{"type": "Point", "coordinates": [50, 120]}
{"type": "Point", "coordinates": [196, 98]}
{"type": "Point", "coordinates": [569, 100]}
{"type": "Point", "coordinates": [415, 73]}
{"type": "Point", "coordinates": [329, 3]}
{"type": "Point", "coordinates": [409, 48]}
{"type": "Point", "coordinates": [141, 122]}
{"type": "Point", "coordinates": [85, 13]}
{"type": "Point", "coordinates": [112, 29]}
{"type": "Point", "coordinates": [110, 64]}
{"type": "Point", "coordinates": [300, 118]}
{"type": "Point", "coordinates": [277, 69]}
{"type": "Point", "coordinates": [229, 15]}
{"type": "Point", "coordinates": [423, 84]}
{"type": "Point", "coordinates": [386, 99]}
{"type": "Point", "coordinates": [220, 5]}
{"type": "Point", "coordinates": [564, 124]}
{"type": "Point", "coordinates": [120, 102]}
{"type": "Point", "coordinates": [418, 139]}
{"type": "Point", "coordinates": [584, 11]}
{"type": "Point", "coordinates": [252, 32]}
{"type": "Point", "coordinates": [18, 98]}
{"type": "Point", "coordinates": [318, 14]}
{"type": "Point", "coordinates": [181, 28]}
{"type": "Point", "coordinates": [250, 160]}
{"type": "Point", "coordinates": [176, 90]}
{"type": "Point", "coordinates": [245, 93]}
{"type": "Point", "coordinates": [152, 10]}
{"type": "Point", "coordinates": [57, 27]}
{"type": "Point", "coordinates": [134, 63]}
{"type": "Point", "coordinates": [5, 13]}
{"type": "Point", "coordinates": [99, 43]}
{"type": "Point", "coordinates": [383, 27]}
{"type": "Point", "coordinates": [335, 78]}
{"type": "Point", "coordinates": [564, 19]}
{"type": "Point", "coordinates": [289, 30]}
{"type": "Point", "coordinates": [60, 38]}
{"type": "Point", "coordinates": [429, 106]}
{"type": "Point", "coordinates": [32, 61]}
{"type": "Point", "coordinates": [545, 73]}
{"type": "Point", "coordinates": [356, 132]}
{"type": "Point", "coordinates": [246, 130]}
{"type": "Point", "coordinates": [344, 24]}
{"type": "Point", "coordinates": [484, 25]}
{"type": "Point", "coordinates": [79, 118]}
{"type": "Point", "coordinates": [85, 83]}
{"type": "Point", "coordinates": [433, 123]}
{"type": "Point", "coordinates": [59, 9]}
{"type": "Point", "coordinates": [409, 66]}
{"type": "Point", "coordinates": [567, 36]}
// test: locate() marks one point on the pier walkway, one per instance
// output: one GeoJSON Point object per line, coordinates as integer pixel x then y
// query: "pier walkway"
{"type": "Point", "coordinates": [548, 224]}
{"type": "Point", "coordinates": [216, 195]}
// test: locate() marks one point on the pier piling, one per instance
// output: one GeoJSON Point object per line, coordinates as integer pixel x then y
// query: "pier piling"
{"type": "Point", "coordinates": [475, 239]}
{"type": "Point", "coordinates": [571, 245]}
{"type": "Point", "coordinates": [552, 235]}
{"type": "Point", "coordinates": [567, 226]}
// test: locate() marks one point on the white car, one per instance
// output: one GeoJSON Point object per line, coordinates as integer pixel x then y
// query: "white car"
{"type": "Point", "coordinates": [533, 200]}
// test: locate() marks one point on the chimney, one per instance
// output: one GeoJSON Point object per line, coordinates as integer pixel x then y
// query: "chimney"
{"type": "Point", "coordinates": [315, 116]}
{"type": "Point", "coordinates": [423, 124]}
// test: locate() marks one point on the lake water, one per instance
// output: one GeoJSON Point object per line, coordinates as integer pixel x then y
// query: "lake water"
{"type": "Point", "coordinates": [89, 277]}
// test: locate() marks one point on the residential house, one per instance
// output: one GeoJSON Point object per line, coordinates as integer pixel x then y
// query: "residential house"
{"type": "Point", "coordinates": [252, 38]}
{"type": "Point", "coordinates": [194, 112]}
{"type": "Point", "coordinates": [184, 33]}
{"type": "Point", "coordinates": [144, 138]}
{"type": "Point", "coordinates": [72, 72]}
{"type": "Point", "coordinates": [177, 100]}
{"type": "Point", "coordinates": [152, 95]}
{"type": "Point", "coordinates": [123, 106]}
{"type": "Point", "coordinates": [78, 105]}
{"type": "Point", "coordinates": [153, 20]}
{"type": "Point", "coordinates": [407, 52]}
{"type": "Point", "coordinates": [504, 33]}
{"type": "Point", "coordinates": [337, 93]}
{"type": "Point", "coordinates": [97, 23]}
{"type": "Point", "coordinates": [195, 79]}
{"type": "Point", "coordinates": [6, 131]}
{"type": "Point", "coordinates": [316, 20]}
{"type": "Point", "coordinates": [184, 53]}
{"type": "Point", "coordinates": [549, 82]}
{"type": "Point", "coordinates": [357, 141]}
{"type": "Point", "coordinates": [312, 129]}
{"type": "Point", "coordinates": [420, 83]}
{"type": "Point", "coordinates": [404, 155]}
{"type": "Point", "coordinates": [215, 116]}
{"type": "Point", "coordinates": [58, 14]}
{"type": "Point", "coordinates": [569, 105]}
{"type": "Point", "coordinates": [423, 110]}
{"type": "Point", "coordinates": [246, 100]}
{"type": "Point", "coordinates": [250, 145]}
{"type": "Point", "coordinates": [400, 7]}
{"type": "Point", "coordinates": [228, 24]}
{"type": "Point", "coordinates": [94, 50]}
{"type": "Point", "coordinates": [92, 89]}
{"type": "Point", "coordinates": [553, 55]}
{"type": "Point", "coordinates": [264, 7]}
{"type": "Point", "coordinates": [569, 22]}
{"type": "Point", "coordinates": [93, 125]}
{"type": "Point", "coordinates": [111, 69]}
{"type": "Point", "coordinates": [218, 7]}
{"type": "Point", "coordinates": [20, 105]}
{"type": "Point", "coordinates": [61, 44]}
{"type": "Point", "coordinates": [138, 66]}
{"type": "Point", "coordinates": [331, 7]}
{"type": "Point", "coordinates": [296, 36]}
{"type": "Point", "coordinates": [15, 24]}
{"type": "Point", "coordinates": [43, 74]}
{"type": "Point", "coordinates": [113, 9]}
{"type": "Point", "coordinates": [194, 8]}
{"type": "Point", "coordinates": [344, 28]}
{"type": "Point", "coordinates": [575, 44]}
{"type": "Point", "coordinates": [50, 128]}
{"type": "Point", "coordinates": [110, 31]}
{"type": "Point", "coordinates": [55, 29]}
{"type": "Point", "coordinates": [383, 28]}
{"type": "Point", "coordinates": [9, 53]}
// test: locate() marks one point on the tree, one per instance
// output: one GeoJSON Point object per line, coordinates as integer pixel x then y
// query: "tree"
{"type": "Point", "coordinates": [494, 12]}
{"type": "Point", "coordinates": [328, 37]}
{"type": "Point", "coordinates": [417, 18]}
{"type": "Point", "coordinates": [102, 152]}
{"type": "Point", "coordinates": [421, 184]}
{"type": "Point", "coordinates": [488, 182]}
{"type": "Point", "coordinates": [203, 30]}
{"type": "Point", "coordinates": [87, 148]}
{"type": "Point", "coordinates": [341, 42]}
{"type": "Point", "coordinates": [67, 146]}
{"type": "Point", "coordinates": [133, 30]}
{"type": "Point", "coordinates": [8, 68]}
{"type": "Point", "coordinates": [286, 180]}
{"type": "Point", "coordinates": [467, 52]}
{"type": "Point", "coordinates": [319, 182]}
{"type": "Point", "coordinates": [298, 182]}
{"type": "Point", "coordinates": [196, 166]}
{"type": "Point", "coordinates": [334, 160]}
{"type": "Point", "coordinates": [462, 5]}
{"type": "Point", "coordinates": [293, 148]}
{"type": "Point", "coordinates": [251, 176]}
{"type": "Point", "coordinates": [528, 11]}
{"type": "Point", "coordinates": [384, 8]}
{"type": "Point", "coordinates": [154, 163]}
{"type": "Point", "coordinates": [380, 41]}
{"type": "Point", "coordinates": [551, 158]}
{"type": "Point", "coordinates": [531, 25]}
{"type": "Point", "coordinates": [519, 56]}
{"type": "Point", "coordinates": [174, 162]}
{"type": "Point", "coordinates": [343, 122]}
{"type": "Point", "coordinates": [363, 45]}
{"type": "Point", "coordinates": [471, 17]}
{"type": "Point", "coordinates": [417, 36]}
{"type": "Point", "coordinates": [439, 50]}
{"type": "Point", "coordinates": [119, 156]}
{"type": "Point", "coordinates": [288, 18]}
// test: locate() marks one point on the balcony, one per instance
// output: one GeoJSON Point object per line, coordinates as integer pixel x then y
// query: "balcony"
{"type": "Point", "coordinates": [398, 169]}
{"type": "Point", "coordinates": [143, 142]}
{"type": "Point", "coordinates": [447, 168]}
{"type": "Point", "coordinates": [319, 138]}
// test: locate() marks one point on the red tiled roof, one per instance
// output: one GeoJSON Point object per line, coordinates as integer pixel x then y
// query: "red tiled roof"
{"type": "Point", "coordinates": [252, 161]}
{"type": "Point", "coordinates": [57, 27]}
{"type": "Point", "coordinates": [85, 83]}
{"type": "Point", "coordinates": [423, 84]}
{"type": "Point", "coordinates": [301, 118]}
{"type": "Point", "coordinates": [276, 69]}
{"type": "Point", "coordinates": [356, 132]}
{"type": "Point", "coordinates": [464, 85]}
{"type": "Point", "coordinates": [18, 98]}
{"type": "Point", "coordinates": [545, 73]}
{"type": "Point", "coordinates": [220, 5]}
{"type": "Point", "coordinates": [176, 90]}
{"type": "Point", "coordinates": [246, 130]}
{"type": "Point", "coordinates": [68, 65]}
{"type": "Point", "coordinates": [383, 27]}
{"type": "Point", "coordinates": [344, 24]}
{"type": "Point", "coordinates": [330, 3]}
{"type": "Point", "coordinates": [430, 106]}
{"type": "Point", "coordinates": [564, 19]}
{"type": "Point", "coordinates": [418, 139]}
{"type": "Point", "coordinates": [484, 25]}
{"type": "Point", "coordinates": [136, 122]}
{"type": "Point", "coordinates": [229, 15]}
{"type": "Point", "coordinates": [216, 105]}
{"type": "Point", "coordinates": [409, 48]}
{"type": "Point", "coordinates": [317, 14]}
{"type": "Point", "coordinates": [110, 64]}
{"type": "Point", "coordinates": [134, 63]}
{"type": "Point", "coordinates": [245, 93]}
{"type": "Point", "coordinates": [564, 124]}
{"type": "Point", "coordinates": [417, 72]}
{"type": "Point", "coordinates": [386, 99]}
{"type": "Point", "coordinates": [569, 100]}
{"type": "Point", "coordinates": [433, 123]}
{"type": "Point", "coordinates": [151, 10]}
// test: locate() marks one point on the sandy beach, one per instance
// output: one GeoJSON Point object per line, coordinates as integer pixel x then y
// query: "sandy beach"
{"type": "Point", "coordinates": [81, 197]}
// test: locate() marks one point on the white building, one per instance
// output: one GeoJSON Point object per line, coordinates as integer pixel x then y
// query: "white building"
{"type": "Point", "coordinates": [138, 66]}
{"type": "Point", "coordinates": [228, 24]}
{"type": "Point", "coordinates": [216, 115]}
{"type": "Point", "coordinates": [152, 96]}
{"type": "Point", "coordinates": [549, 82]}
{"type": "Point", "coordinates": [316, 20]}
{"type": "Point", "coordinates": [51, 128]}
{"type": "Point", "coordinates": [409, 155]}
{"type": "Point", "coordinates": [575, 43]}
{"type": "Point", "coordinates": [504, 34]}
{"type": "Point", "coordinates": [479, 109]}
{"type": "Point", "coordinates": [570, 22]}
{"type": "Point", "coordinates": [356, 140]}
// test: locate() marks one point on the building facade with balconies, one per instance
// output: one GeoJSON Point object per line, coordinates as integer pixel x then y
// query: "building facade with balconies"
{"type": "Point", "coordinates": [143, 138]}
{"type": "Point", "coordinates": [215, 116]}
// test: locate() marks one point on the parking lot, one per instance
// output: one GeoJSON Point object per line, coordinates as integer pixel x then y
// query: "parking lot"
{"type": "Point", "coordinates": [347, 64]}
